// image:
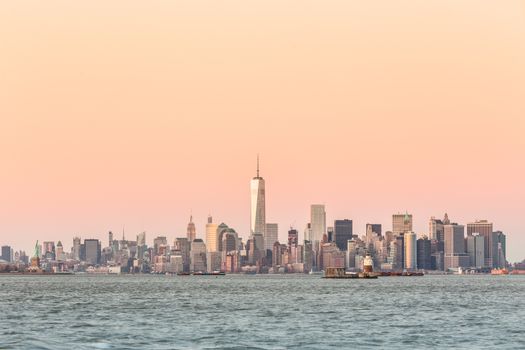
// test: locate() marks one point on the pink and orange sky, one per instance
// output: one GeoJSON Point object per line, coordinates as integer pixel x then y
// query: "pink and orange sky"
{"type": "Point", "coordinates": [137, 113]}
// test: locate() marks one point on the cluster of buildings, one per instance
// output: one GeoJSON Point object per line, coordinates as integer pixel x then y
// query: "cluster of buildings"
{"type": "Point", "coordinates": [447, 246]}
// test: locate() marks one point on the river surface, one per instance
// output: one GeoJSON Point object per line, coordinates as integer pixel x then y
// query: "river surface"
{"type": "Point", "coordinates": [261, 312]}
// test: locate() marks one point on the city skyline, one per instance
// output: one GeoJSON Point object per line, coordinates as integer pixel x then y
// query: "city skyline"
{"type": "Point", "coordinates": [369, 108]}
{"type": "Point", "coordinates": [341, 233]}
{"type": "Point", "coordinates": [401, 224]}
{"type": "Point", "coordinates": [262, 174]}
{"type": "Point", "coordinates": [317, 226]}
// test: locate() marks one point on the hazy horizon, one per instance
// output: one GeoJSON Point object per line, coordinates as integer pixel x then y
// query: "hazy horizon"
{"type": "Point", "coordinates": [140, 114]}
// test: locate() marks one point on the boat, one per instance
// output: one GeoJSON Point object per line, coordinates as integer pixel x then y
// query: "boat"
{"type": "Point", "coordinates": [499, 272]}
{"type": "Point", "coordinates": [214, 273]}
{"type": "Point", "coordinates": [340, 273]}
{"type": "Point", "coordinates": [217, 273]}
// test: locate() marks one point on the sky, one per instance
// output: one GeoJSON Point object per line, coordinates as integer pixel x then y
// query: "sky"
{"type": "Point", "coordinates": [138, 114]}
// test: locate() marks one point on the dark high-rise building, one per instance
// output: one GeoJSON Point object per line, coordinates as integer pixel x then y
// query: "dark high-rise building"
{"type": "Point", "coordinates": [92, 249]}
{"type": "Point", "coordinates": [257, 251]}
{"type": "Point", "coordinates": [308, 256]}
{"type": "Point", "coordinates": [293, 238]}
{"type": "Point", "coordinates": [475, 245]}
{"type": "Point", "coordinates": [75, 250]}
{"type": "Point", "coordinates": [437, 249]}
{"type": "Point", "coordinates": [499, 249]}
{"type": "Point", "coordinates": [6, 253]}
{"type": "Point", "coordinates": [424, 254]}
{"type": "Point", "coordinates": [330, 234]}
{"type": "Point", "coordinates": [375, 228]}
{"type": "Point", "coordinates": [343, 231]}
{"type": "Point", "coordinates": [82, 252]}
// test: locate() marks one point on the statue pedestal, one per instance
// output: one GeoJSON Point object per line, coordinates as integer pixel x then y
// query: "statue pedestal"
{"type": "Point", "coordinates": [35, 262]}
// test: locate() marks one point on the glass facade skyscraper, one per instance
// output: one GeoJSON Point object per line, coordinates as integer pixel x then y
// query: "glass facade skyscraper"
{"type": "Point", "coordinates": [343, 231]}
{"type": "Point", "coordinates": [317, 222]}
{"type": "Point", "coordinates": [258, 207]}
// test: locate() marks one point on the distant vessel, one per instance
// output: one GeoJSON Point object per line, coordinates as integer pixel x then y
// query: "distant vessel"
{"type": "Point", "coordinates": [499, 272]}
{"type": "Point", "coordinates": [200, 273]}
{"type": "Point", "coordinates": [368, 264]}
{"type": "Point", "coordinates": [340, 273]}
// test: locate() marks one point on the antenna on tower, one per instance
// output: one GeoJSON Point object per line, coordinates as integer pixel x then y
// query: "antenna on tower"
{"type": "Point", "coordinates": [257, 164]}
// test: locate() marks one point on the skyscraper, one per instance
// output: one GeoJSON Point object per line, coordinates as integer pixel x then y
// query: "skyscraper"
{"type": "Point", "coordinates": [455, 253]}
{"type": "Point", "coordinates": [343, 233]}
{"type": "Point", "coordinates": [373, 233]}
{"type": "Point", "coordinates": [258, 208]}
{"type": "Point", "coordinates": [375, 228]}
{"type": "Point", "coordinates": [401, 223]}
{"type": "Point", "coordinates": [293, 238]}
{"type": "Point", "coordinates": [435, 229]}
{"type": "Point", "coordinates": [410, 251]}
{"type": "Point", "coordinates": [184, 246]}
{"type": "Point", "coordinates": [141, 239]}
{"type": "Point", "coordinates": [49, 250]}
{"type": "Point", "coordinates": [60, 251]}
{"type": "Point", "coordinates": [198, 256]}
{"type": "Point", "coordinates": [351, 254]}
{"type": "Point", "coordinates": [93, 251]}
{"type": "Point", "coordinates": [476, 250]}
{"type": "Point", "coordinates": [424, 249]}
{"type": "Point", "coordinates": [317, 222]}
{"type": "Point", "coordinates": [6, 253]}
{"type": "Point", "coordinates": [397, 253]}
{"type": "Point", "coordinates": [257, 251]}
{"type": "Point", "coordinates": [191, 233]}
{"type": "Point", "coordinates": [211, 235]}
{"type": "Point", "coordinates": [499, 249]}
{"type": "Point", "coordinates": [158, 242]}
{"type": "Point", "coordinates": [483, 228]}
{"type": "Point", "coordinates": [308, 233]}
{"type": "Point", "coordinates": [272, 235]}
{"type": "Point", "coordinates": [330, 233]}
{"type": "Point", "coordinates": [76, 248]}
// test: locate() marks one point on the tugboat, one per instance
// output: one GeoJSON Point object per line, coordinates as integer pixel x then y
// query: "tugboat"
{"type": "Point", "coordinates": [339, 272]}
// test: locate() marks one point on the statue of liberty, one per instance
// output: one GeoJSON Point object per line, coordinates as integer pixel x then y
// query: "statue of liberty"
{"type": "Point", "coordinates": [35, 260]}
{"type": "Point", "coordinates": [37, 250]}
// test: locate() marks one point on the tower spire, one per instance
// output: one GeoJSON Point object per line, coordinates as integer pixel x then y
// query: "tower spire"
{"type": "Point", "coordinates": [257, 164]}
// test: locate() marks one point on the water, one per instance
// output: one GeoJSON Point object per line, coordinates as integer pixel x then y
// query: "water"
{"type": "Point", "coordinates": [261, 312]}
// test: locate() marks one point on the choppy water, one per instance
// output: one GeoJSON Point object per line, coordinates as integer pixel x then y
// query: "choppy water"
{"type": "Point", "coordinates": [261, 312]}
